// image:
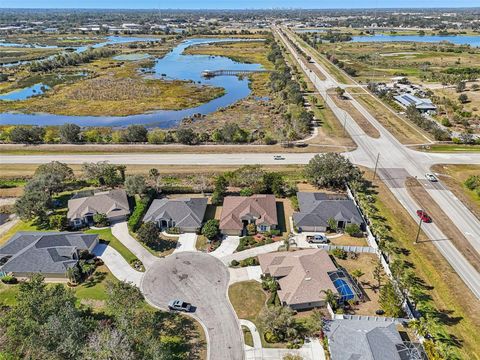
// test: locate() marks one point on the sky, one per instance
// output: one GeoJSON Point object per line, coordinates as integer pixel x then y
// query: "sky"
{"type": "Point", "coordinates": [235, 4]}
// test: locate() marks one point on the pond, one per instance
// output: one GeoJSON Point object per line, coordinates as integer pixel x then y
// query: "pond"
{"type": "Point", "coordinates": [25, 93]}
{"type": "Point", "coordinates": [174, 65]}
{"type": "Point", "coordinates": [454, 39]}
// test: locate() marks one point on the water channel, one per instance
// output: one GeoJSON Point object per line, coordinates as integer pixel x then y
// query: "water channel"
{"type": "Point", "coordinates": [174, 65]}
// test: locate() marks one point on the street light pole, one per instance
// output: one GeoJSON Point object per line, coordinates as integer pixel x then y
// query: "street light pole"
{"type": "Point", "coordinates": [376, 165]}
{"type": "Point", "coordinates": [418, 232]}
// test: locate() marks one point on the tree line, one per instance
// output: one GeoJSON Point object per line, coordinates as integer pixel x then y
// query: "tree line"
{"type": "Point", "coordinates": [74, 134]}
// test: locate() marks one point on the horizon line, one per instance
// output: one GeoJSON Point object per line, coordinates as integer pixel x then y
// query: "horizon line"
{"type": "Point", "coordinates": [242, 9]}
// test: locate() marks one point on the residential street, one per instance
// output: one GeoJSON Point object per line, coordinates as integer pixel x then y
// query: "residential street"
{"type": "Point", "coordinates": [202, 280]}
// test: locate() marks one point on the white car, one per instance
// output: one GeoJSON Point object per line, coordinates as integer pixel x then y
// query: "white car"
{"type": "Point", "coordinates": [278, 157]}
{"type": "Point", "coordinates": [180, 305]}
{"type": "Point", "coordinates": [317, 239]}
{"type": "Point", "coordinates": [431, 177]}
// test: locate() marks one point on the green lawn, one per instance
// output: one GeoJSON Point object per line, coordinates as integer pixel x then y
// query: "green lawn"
{"type": "Point", "coordinates": [453, 148]}
{"type": "Point", "coordinates": [20, 226]}
{"type": "Point", "coordinates": [106, 235]}
{"type": "Point", "coordinates": [248, 299]}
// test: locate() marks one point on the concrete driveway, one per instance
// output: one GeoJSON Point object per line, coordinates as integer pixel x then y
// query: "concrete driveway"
{"type": "Point", "coordinates": [186, 242]}
{"type": "Point", "coordinates": [202, 280]}
{"type": "Point", "coordinates": [117, 264]}
{"type": "Point", "coordinates": [120, 231]}
{"type": "Point", "coordinates": [228, 246]}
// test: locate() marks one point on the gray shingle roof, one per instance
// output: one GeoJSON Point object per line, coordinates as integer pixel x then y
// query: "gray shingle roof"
{"type": "Point", "coordinates": [113, 203]}
{"type": "Point", "coordinates": [317, 208]}
{"type": "Point", "coordinates": [186, 212]}
{"type": "Point", "coordinates": [363, 340]}
{"type": "Point", "coordinates": [42, 252]}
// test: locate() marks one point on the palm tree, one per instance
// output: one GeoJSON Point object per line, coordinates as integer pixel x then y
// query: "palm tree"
{"type": "Point", "coordinates": [331, 298]}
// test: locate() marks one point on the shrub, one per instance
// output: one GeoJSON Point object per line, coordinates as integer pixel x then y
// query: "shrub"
{"type": "Point", "coordinates": [149, 234]}
{"type": "Point", "coordinates": [246, 242]}
{"type": "Point", "coordinates": [275, 232]}
{"type": "Point", "coordinates": [101, 219]}
{"type": "Point", "coordinates": [210, 229]}
{"type": "Point", "coordinates": [8, 279]}
{"type": "Point", "coordinates": [234, 263]}
{"type": "Point", "coordinates": [141, 207]}
{"type": "Point", "coordinates": [270, 337]}
{"type": "Point", "coordinates": [251, 229]}
{"type": "Point", "coordinates": [251, 261]}
{"type": "Point", "coordinates": [246, 192]}
{"type": "Point", "coordinates": [472, 182]}
{"type": "Point", "coordinates": [173, 230]}
{"type": "Point", "coordinates": [353, 229]}
{"type": "Point", "coordinates": [58, 222]}
{"type": "Point", "coordinates": [339, 253]}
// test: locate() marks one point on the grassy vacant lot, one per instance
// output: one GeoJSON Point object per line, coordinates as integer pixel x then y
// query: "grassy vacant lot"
{"type": "Point", "coordinates": [380, 60]}
{"type": "Point", "coordinates": [448, 292]}
{"type": "Point", "coordinates": [454, 176]}
{"type": "Point", "coordinates": [346, 105]}
{"type": "Point", "coordinates": [402, 129]}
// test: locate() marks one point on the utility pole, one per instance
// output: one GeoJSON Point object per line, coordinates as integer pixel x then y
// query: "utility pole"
{"type": "Point", "coordinates": [418, 232]}
{"type": "Point", "coordinates": [376, 165]}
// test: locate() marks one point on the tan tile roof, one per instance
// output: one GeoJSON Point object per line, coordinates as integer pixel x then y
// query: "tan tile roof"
{"type": "Point", "coordinates": [261, 207]}
{"type": "Point", "coordinates": [303, 275]}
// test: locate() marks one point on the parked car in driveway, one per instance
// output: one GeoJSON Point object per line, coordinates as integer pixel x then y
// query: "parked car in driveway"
{"type": "Point", "coordinates": [180, 305]}
{"type": "Point", "coordinates": [424, 216]}
{"type": "Point", "coordinates": [317, 239]}
{"type": "Point", "coordinates": [431, 177]}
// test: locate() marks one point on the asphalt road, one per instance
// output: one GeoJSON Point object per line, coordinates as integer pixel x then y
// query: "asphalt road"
{"type": "Point", "coordinates": [396, 163]}
{"type": "Point", "coordinates": [201, 280]}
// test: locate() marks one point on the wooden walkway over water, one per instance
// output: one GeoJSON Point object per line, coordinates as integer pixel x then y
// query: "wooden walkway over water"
{"type": "Point", "coordinates": [212, 73]}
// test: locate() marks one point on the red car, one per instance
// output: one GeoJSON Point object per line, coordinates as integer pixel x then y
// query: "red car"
{"type": "Point", "coordinates": [424, 216]}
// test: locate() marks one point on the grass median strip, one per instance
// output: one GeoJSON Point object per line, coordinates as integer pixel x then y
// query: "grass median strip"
{"type": "Point", "coordinates": [106, 235]}
{"type": "Point", "coordinates": [460, 308]}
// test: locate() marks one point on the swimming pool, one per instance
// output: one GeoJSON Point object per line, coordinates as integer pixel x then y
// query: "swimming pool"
{"type": "Point", "coordinates": [344, 290]}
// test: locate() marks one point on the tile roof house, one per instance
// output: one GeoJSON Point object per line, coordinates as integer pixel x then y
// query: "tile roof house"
{"type": "Point", "coordinates": [369, 340]}
{"type": "Point", "coordinates": [303, 276]}
{"type": "Point", "coordinates": [317, 208]}
{"type": "Point", "coordinates": [50, 254]}
{"type": "Point", "coordinates": [186, 214]}
{"type": "Point", "coordinates": [239, 211]}
{"type": "Point", "coordinates": [113, 203]}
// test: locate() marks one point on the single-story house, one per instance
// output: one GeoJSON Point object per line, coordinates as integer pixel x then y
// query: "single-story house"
{"type": "Point", "coordinates": [114, 204]}
{"type": "Point", "coordinates": [186, 214]}
{"type": "Point", "coordinates": [317, 208]}
{"type": "Point", "coordinates": [239, 211]}
{"type": "Point", "coordinates": [422, 105]}
{"type": "Point", "coordinates": [369, 340]}
{"type": "Point", "coordinates": [304, 276]}
{"type": "Point", "coordinates": [50, 254]}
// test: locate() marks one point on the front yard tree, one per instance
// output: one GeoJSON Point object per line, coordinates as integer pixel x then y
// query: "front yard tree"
{"type": "Point", "coordinates": [210, 229]}
{"type": "Point", "coordinates": [149, 234]}
{"type": "Point", "coordinates": [100, 219]}
{"type": "Point", "coordinates": [330, 170]}
{"type": "Point", "coordinates": [69, 133]}
{"type": "Point", "coordinates": [353, 229]}
{"type": "Point", "coordinates": [135, 184]}
{"type": "Point", "coordinates": [279, 322]}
